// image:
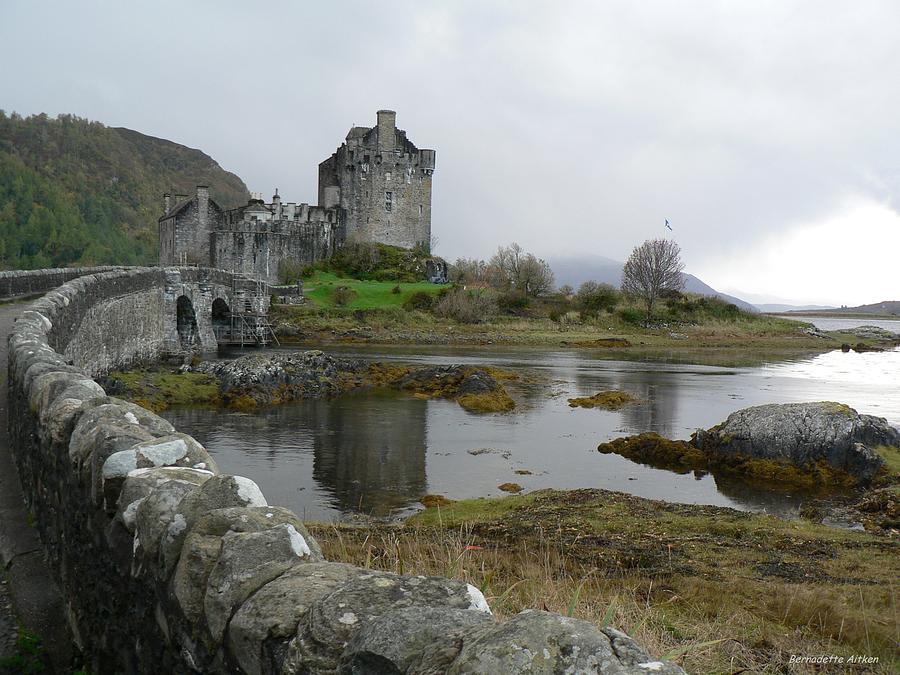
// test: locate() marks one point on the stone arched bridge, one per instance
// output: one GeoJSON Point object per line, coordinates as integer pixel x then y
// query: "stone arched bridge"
{"type": "Point", "coordinates": [140, 314]}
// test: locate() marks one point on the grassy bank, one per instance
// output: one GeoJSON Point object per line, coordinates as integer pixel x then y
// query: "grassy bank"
{"type": "Point", "coordinates": [720, 590]}
{"type": "Point", "coordinates": [319, 289]}
{"type": "Point", "coordinates": [395, 325]}
{"type": "Point", "coordinates": [158, 389]}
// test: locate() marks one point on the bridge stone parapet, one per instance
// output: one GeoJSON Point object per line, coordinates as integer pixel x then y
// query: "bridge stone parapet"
{"type": "Point", "coordinates": [168, 565]}
{"type": "Point", "coordinates": [19, 283]}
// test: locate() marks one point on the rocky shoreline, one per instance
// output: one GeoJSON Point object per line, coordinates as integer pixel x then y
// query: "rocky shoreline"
{"type": "Point", "coordinates": [272, 379]}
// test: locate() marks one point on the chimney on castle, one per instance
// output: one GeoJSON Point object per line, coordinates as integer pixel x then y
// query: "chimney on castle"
{"type": "Point", "coordinates": [387, 128]}
{"type": "Point", "coordinates": [167, 203]}
{"type": "Point", "coordinates": [202, 204]}
{"type": "Point", "coordinates": [276, 203]}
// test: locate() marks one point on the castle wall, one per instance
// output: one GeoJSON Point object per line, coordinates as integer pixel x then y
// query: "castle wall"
{"type": "Point", "coordinates": [257, 249]}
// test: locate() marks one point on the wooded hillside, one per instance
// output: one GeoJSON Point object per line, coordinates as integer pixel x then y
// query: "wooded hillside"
{"type": "Point", "coordinates": [77, 192]}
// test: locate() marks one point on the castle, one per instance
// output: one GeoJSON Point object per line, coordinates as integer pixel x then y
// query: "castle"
{"type": "Point", "coordinates": [375, 187]}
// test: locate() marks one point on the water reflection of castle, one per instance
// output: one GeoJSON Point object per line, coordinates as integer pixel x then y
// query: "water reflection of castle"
{"type": "Point", "coordinates": [369, 462]}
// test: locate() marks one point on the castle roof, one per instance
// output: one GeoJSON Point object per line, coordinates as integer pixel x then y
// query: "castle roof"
{"type": "Point", "coordinates": [358, 132]}
{"type": "Point", "coordinates": [181, 206]}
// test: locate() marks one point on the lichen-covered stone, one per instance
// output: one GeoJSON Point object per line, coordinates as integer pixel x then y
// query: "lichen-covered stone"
{"type": "Point", "coordinates": [333, 621]}
{"type": "Point", "coordinates": [397, 641]}
{"type": "Point", "coordinates": [233, 519]}
{"type": "Point", "coordinates": [128, 414]}
{"type": "Point", "coordinates": [141, 482]}
{"type": "Point", "coordinates": [541, 642]}
{"type": "Point", "coordinates": [222, 492]}
{"type": "Point", "coordinates": [58, 421]}
{"type": "Point", "coordinates": [179, 450]}
{"type": "Point", "coordinates": [196, 560]}
{"type": "Point", "coordinates": [247, 561]}
{"type": "Point", "coordinates": [154, 515]}
{"type": "Point", "coordinates": [46, 387]}
{"type": "Point", "coordinates": [275, 610]}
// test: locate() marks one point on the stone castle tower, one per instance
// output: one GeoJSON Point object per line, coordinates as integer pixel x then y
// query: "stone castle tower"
{"type": "Point", "coordinates": [382, 184]}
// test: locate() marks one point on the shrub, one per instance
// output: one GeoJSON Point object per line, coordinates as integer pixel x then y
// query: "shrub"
{"type": "Point", "coordinates": [396, 290]}
{"type": "Point", "coordinates": [465, 306]}
{"type": "Point", "coordinates": [342, 296]}
{"type": "Point", "coordinates": [357, 258]}
{"type": "Point", "coordinates": [420, 300]}
{"type": "Point", "coordinates": [513, 302]}
{"type": "Point", "coordinates": [631, 315]}
{"type": "Point", "coordinates": [592, 298]}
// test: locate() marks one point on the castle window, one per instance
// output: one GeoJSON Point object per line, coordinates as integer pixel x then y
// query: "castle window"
{"type": "Point", "coordinates": [387, 175]}
{"type": "Point", "coordinates": [388, 201]}
{"type": "Point", "coordinates": [420, 209]}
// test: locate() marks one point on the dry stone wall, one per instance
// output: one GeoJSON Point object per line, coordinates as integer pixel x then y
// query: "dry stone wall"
{"type": "Point", "coordinates": [168, 565]}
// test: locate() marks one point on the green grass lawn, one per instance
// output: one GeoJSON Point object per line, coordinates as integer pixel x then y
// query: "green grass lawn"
{"type": "Point", "coordinates": [369, 294]}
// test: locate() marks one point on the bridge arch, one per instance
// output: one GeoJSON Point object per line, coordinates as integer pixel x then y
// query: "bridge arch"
{"type": "Point", "coordinates": [186, 322]}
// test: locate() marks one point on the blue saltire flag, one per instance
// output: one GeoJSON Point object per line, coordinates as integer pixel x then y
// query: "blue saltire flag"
{"type": "Point", "coordinates": [667, 224]}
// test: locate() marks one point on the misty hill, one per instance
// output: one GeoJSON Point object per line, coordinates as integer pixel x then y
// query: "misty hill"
{"type": "Point", "coordinates": [77, 192]}
{"type": "Point", "coordinates": [575, 271]}
{"type": "Point", "coordinates": [774, 307]}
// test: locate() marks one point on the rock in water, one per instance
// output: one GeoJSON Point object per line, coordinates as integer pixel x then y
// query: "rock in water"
{"type": "Point", "coordinates": [278, 378]}
{"type": "Point", "coordinates": [802, 434]}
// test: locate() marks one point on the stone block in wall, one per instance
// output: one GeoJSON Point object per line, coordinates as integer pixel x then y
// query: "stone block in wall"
{"type": "Point", "coordinates": [140, 483]}
{"type": "Point", "coordinates": [411, 640]}
{"type": "Point", "coordinates": [535, 641]}
{"type": "Point", "coordinates": [158, 518]}
{"type": "Point", "coordinates": [334, 620]}
{"type": "Point", "coordinates": [218, 522]}
{"type": "Point", "coordinates": [179, 450]}
{"type": "Point", "coordinates": [248, 561]}
{"type": "Point", "coordinates": [260, 630]}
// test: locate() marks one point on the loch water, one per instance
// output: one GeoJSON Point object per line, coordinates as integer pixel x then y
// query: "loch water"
{"type": "Point", "coordinates": [377, 453]}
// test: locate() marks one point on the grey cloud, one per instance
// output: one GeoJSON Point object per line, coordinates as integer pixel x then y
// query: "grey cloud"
{"type": "Point", "coordinates": [570, 127]}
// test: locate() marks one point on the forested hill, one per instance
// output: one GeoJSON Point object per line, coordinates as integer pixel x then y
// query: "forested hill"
{"type": "Point", "coordinates": [77, 192]}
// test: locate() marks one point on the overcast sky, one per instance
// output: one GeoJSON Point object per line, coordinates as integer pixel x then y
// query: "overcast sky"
{"type": "Point", "coordinates": [768, 133]}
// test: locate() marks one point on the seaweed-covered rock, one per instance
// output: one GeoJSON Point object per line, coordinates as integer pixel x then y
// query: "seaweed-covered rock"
{"type": "Point", "coordinates": [278, 378]}
{"type": "Point", "coordinates": [804, 435]}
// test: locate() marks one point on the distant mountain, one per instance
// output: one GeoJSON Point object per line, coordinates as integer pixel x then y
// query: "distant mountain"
{"type": "Point", "coordinates": [575, 271]}
{"type": "Point", "coordinates": [890, 307]}
{"type": "Point", "coordinates": [77, 192]}
{"type": "Point", "coordinates": [772, 307]}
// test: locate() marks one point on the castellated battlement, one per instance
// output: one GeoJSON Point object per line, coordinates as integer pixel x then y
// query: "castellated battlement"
{"type": "Point", "coordinates": [375, 187]}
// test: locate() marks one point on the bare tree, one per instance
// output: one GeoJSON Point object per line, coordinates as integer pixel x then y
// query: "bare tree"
{"type": "Point", "coordinates": [652, 268]}
{"type": "Point", "coordinates": [522, 271]}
